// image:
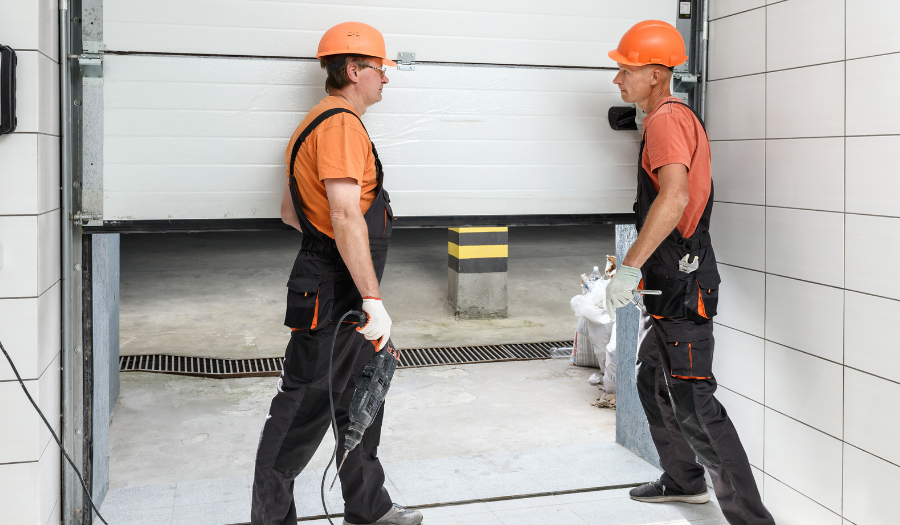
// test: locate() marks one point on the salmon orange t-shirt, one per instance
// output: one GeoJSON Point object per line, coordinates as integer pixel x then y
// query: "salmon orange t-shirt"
{"type": "Point", "coordinates": [673, 135]}
{"type": "Point", "coordinates": [338, 148]}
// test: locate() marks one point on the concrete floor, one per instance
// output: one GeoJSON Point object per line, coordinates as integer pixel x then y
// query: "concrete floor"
{"type": "Point", "coordinates": [222, 294]}
{"type": "Point", "coordinates": [172, 429]}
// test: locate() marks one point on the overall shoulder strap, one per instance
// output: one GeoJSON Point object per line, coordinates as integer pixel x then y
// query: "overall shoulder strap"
{"type": "Point", "coordinates": [702, 124]}
{"type": "Point", "coordinates": [313, 125]}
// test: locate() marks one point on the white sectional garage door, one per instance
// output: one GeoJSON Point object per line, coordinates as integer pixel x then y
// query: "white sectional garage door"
{"type": "Point", "coordinates": [201, 97]}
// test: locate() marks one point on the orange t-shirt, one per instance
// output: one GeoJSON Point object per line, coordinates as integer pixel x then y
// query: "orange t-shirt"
{"type": "Point", "coordinates": [674, 135]}
{"type": "Point", "coordinates": [338, 148]}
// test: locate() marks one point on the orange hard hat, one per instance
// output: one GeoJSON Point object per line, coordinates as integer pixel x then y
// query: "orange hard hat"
{"type": "Point", "coordinates": [354, 38]}
{"type": "Point", "coordinates": [650, 42]}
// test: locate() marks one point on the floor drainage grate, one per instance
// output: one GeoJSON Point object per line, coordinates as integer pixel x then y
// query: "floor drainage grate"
{"type": "Point", "coordinates": [271, 366]}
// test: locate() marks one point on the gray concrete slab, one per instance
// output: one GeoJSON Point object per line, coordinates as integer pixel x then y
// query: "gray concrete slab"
{"type": "Point", "coordinates": [171, 429]}
{"type": "Point", "coordinates": [222, 294]}
{"type": "Point", "coordinates": [456, 481]}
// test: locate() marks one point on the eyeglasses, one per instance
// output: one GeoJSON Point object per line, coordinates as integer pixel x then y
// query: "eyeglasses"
{"type": "Point", "coordinates": [381, 70]}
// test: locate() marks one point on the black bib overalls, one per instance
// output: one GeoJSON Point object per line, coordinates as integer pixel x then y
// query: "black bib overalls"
{"type": "Point", "coordinates": [674, 368]}
{"type": "Point", "coordinates": [320, 291]}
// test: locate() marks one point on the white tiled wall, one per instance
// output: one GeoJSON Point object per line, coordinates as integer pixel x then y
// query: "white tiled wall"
{"type": "Point", "coordinates": [29, 278]}
{"type": "Point", "coordinates": [806, 333]}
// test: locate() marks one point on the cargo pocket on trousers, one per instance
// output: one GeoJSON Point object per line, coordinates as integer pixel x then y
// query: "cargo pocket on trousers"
{"type": "Point", "coordinates": [302, 356]}
{"type": "Point", "coordinates": [703, 300]}
{"type": "Point", "coordinates": [689, 349]}
{"type": "Point", "coordinates": [302, 303]}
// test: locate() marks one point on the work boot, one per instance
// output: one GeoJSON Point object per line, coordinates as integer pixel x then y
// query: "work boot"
{"type": "Point", "coordinates": [656, 492]}
{"type": "Point", "coordinates": [398, 515]}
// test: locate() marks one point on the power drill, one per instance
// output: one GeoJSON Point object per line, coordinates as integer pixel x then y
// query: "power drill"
{"type": "Point", "coordinates": [371, 389]}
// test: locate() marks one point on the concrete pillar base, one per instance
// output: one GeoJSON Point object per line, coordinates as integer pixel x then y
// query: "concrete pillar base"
{"type": "Point", "coordinates": [478, 295]}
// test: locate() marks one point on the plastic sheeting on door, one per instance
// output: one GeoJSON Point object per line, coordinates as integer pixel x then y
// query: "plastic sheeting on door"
{"type": "Point", "coordinates": [202, 137]}
{"type": "Point", "coordinates": [534, 32]}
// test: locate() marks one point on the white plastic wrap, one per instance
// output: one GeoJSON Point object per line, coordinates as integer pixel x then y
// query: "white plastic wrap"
{"type": "Point", "coordinates": [609, 373]}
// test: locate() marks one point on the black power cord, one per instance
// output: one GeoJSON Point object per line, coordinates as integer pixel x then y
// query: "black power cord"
{"type": "Point", "coordinates": [363, 318]}
{"type": "Point", "coordinates": [87, 492]}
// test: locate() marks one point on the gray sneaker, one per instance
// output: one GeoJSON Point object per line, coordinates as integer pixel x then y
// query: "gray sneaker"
{"type": "Point", "coordinates": [398, 515]}
{"type": "Point", "coordinates": [656, 492]}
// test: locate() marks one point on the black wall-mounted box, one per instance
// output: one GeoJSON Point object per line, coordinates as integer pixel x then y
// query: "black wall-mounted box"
{"type": "Point", "coordinates": [7, 90]}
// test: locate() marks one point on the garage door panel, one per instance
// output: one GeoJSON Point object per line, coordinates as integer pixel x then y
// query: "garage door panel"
{"type": "Point", "coordinates": [566, 32]}
{"type": "Point", "coordinates": [186, 137]}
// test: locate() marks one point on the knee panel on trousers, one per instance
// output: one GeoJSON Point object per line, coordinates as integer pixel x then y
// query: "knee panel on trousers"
{"type": "Point", "coordinates": [683, 404]}
{"type": "Point", "coordinates": [646, 386]}
{"type": "Point", "coordinates": [305, 433]}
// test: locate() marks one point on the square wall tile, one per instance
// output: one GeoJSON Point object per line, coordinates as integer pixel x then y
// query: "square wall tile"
{"type": "Point", "coordinates": [739, 171]}
{"type": "Point", "coordinates": [739, 234]}
{"type": "Point", "coordinates": [759, 477]}
{"type": "Point", "coordinates": [735, 108]}
{"type": "Point", "coordinates": [742, 299]}
{"type": "Point", "coordinates": [19, 493]}
{"type": "Point", "coordinates": [49, 255]}
{"type": "Point", "coordinates": [37, 94]}
{"type": "Point", "coordinates": [793, 110]}
{"type": "Point", "coordinates": [29, 173]}
{"type": "Point", "coordinates": [737, 45]}
{"type": "Point", "coordinates": [874, 422]}
{"type": "Point", "coordinates": [872, 27]}
{"type": "Point", "coordinates": [739, 362]}
{"type": "Point", "coordinates": [804, 32]}
{"type": "Point", "coordinates": [19, 275]}
{"type": "Point", "coordinates": [48, 167]}
{"type": "Point", "coordinates": [789, 507]}
{"type": "Point", "coordinates": [49, 321]}
{"type": "Point", "coordinates": [49, 482]}
{"type": "Point", "coordinates": [868, 488]}
{"type": "Point", "coordinates": [19, 325]}
{"type": "Point", "coordinates": [23, 436]}
{"type": "Point", "coordinates": [864, 117]}
{"type": "Point", "coordinates": [720, 8]}
{"type": "Point", "coordinates": [806, 329]}
{"type": "Point", "coordinates": [869, 340]}
{"type": "Point", "coordinates": [805, 459]}
{"type": "Point", "coordinates": [18, 174]}
{"type": "Point", "coordinates": [806, 245]}
{"type": "Point", "coordinates": [749, 420]}
{"type": "Point", "coordinates": [872, 185]}
{"type": "Point", "coordinates": [806, 388]}
{"type": "Point", "coordinates": [873, 243]}
{"type": "Point", "coordinates": [805, 173]}
{"type": "Point", "coordinates": [31, 25]}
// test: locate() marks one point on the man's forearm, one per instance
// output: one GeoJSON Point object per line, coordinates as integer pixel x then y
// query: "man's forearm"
{"type": "Point", "coordinates": [352, 238]}
{"type": "Point", "coordinates": [661, 220]}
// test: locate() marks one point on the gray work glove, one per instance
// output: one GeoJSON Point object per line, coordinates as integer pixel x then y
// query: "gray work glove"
{"type": "Point", "coordinates": [620, 290]}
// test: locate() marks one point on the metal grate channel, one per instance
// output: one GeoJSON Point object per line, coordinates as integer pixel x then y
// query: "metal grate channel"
{"type": "Point", "coordinates": [272, 366]}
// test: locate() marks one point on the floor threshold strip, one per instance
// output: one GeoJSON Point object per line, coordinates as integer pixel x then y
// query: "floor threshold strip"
{"type": "Point", "coordinates": [220, 368]}
{"type": "Point", "coordinates": [486, 500]}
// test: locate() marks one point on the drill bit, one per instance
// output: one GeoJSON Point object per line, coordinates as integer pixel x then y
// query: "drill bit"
{"type": "Point", "coordinates": [339, 469]}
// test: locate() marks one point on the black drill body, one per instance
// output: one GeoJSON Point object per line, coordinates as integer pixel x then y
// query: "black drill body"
{"type": "Point", "coordinates": [371, 389]}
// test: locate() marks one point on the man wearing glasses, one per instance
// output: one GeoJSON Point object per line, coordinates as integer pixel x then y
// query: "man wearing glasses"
{"type": "Point", "coordinates": [334, 194]}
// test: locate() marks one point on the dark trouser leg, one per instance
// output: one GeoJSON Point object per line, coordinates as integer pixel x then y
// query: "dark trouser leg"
{"type": "Point", "coordinates": [677, 458]}
{"type": "Point", "coordinates": [705, 423]}
{"type": "Point", "coordinates": [300, 415]}
{"type": "Point", "coordinates": [688, 348]}
{"type": "Point", "coordinates": [362, 477]}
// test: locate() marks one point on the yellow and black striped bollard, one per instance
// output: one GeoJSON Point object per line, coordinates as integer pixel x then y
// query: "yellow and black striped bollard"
{"type": "Point", "coordinates": [476, 267]}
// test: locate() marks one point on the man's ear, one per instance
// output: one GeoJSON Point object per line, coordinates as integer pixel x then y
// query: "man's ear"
{"type": "Point", "coordinates": [352, 71]}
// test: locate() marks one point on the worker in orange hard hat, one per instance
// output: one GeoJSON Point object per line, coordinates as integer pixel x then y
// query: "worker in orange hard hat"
{"type": "Point", "coordinates": [334, 194]}
{"type": "Point", "coordinates": [673, 253]}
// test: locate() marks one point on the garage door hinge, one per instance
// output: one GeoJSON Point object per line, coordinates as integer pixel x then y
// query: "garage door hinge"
{"type": "Point", "coordinates": [405, 61]}
{"type": "Point", "coordinates": [91, 63]}
{"type": "Point", "coordinates": [88, 218]}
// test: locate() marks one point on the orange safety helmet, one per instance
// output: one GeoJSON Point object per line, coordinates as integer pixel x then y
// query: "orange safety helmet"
{"type": "Point", "coordinates": [354, 38]}
{"type": "Point", "coordinates": [650, 42]}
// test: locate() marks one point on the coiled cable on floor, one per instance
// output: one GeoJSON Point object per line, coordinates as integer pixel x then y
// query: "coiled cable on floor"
{"type": "Point", "coordinates": [87, 493]}
{"type": "Point", "coordinates": [334, 428]}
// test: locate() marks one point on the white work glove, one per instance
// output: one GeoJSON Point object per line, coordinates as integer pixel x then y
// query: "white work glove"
{"type": "Point", "coordinates": [379, 326]}
{"type": "Point", "coordinates": [620, 290]}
